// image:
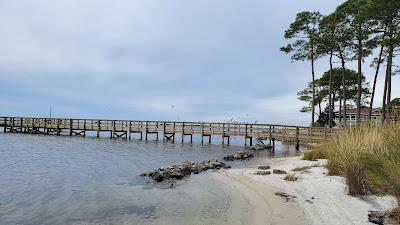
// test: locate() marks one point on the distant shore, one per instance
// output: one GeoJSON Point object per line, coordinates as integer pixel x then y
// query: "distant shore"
{"type": "Point", "coordinates": [314, 198]}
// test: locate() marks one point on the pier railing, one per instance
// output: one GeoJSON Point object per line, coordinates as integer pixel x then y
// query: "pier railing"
{"type": "Point", "coordinates": [124, 129]}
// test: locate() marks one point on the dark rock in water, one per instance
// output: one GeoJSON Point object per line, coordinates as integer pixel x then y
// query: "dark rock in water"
{"type": "Point", "coordinates": [143, 174]}
{"type": "Point", "coordinates": [242, 155]}
{"type": "Point", "coordinates": [376, 217]}
{"type": "Point", "coordinates": [264, 167]}
{"type": "Point", "coordinates": [157, 176]}
{"type": "Point", "coordinates": [185, 169]}
{"type": "Point", "coordinates": [276, 171]}
{"type": "Point", "coordinates": [260, 145]}
{"type": "Point", "coordinates": [263, 173]}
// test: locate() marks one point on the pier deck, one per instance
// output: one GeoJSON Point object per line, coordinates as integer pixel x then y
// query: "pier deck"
{"type": "Point", "coordinates": [168, 129]}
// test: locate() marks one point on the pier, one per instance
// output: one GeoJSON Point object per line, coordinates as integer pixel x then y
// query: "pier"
{"type": "Point", "coordinates": [167, 130]}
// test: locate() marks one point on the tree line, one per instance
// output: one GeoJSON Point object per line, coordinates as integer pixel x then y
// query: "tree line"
{"type": "Point", "coordinates": [355, 31]}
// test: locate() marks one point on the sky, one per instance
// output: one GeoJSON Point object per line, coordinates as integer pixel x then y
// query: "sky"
{"type": "Point", "coordinates": [209, 60]}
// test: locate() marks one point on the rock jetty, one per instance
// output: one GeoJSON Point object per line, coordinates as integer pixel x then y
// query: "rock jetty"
{"type": "Point", "coordinates": [185, 169]}
{"type": "Point", "coordinates": [242, 155]}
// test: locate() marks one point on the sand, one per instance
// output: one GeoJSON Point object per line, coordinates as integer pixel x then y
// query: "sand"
{"type": "Point", "coordinates": [319, 198]}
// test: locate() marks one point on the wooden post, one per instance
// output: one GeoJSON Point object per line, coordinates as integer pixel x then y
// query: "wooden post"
{"type": "Point", "coordinates": [98, 128]}
{"type": "Point", "coordinates": [164, 125]}
{"type": "Point", "coordinates": [12, 124]}
{"type": "Point", "coordinates": [202, 133]}
{"type": "Point", "coordinates": [297, 139]}
{"type": "Point", "coordinates": [5, 125]}
{"type": "Point", "coordinates": [245, 136]}
{"type": "Point", "coordinates": [273, 144]}
{"type": "Point", "coordinates": [58, 127]}
{"type": "Point", "coordinates": [223, 134]}
{"type": "Point", "coordinates": [147, 123]}
{"type": "Point", "coordinates": [20, 124]}
{"type": "Point", "coordinates": [130, 130]}
{"type": "Point", "coordinates": [84, 128]}
{"type": "Point", "coordinates": [70, 127]}
{"type": "Point", "coordinates": [183, 131]}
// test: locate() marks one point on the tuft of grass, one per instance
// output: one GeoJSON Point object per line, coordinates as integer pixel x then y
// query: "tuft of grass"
{"type": "Point", "coordinates": [291, 177]}
{"type": "Point", "coordinates": [313, 155]}
{"type": "Point", "coordinates": [298, 169]}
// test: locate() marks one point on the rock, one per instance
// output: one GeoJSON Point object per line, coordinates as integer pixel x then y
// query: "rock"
{"type": "Point", "coordinates": [143, 174]}
{"type": "Point", "coordinates": [184, 170]}
{"type": "Point", "coordinates": [376, 217]}
{"type": "Point", "coordinates": [242, 155]}
{"type": "Point", "coordinates": [157, 176]}
{"type": "Point", "coordinates": [260, 145]}
{"type": "Point", "coordinates": [286, 196]}
{"type": "Point", "coordinates": [264, 167]}
{"type": "Point", "coordinates": [277, 171]}
{"type": "Point", "coordinates": [263, 173]}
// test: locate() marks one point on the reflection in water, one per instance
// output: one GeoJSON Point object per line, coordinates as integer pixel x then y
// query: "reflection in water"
{"type": "Point", "coordinates": [68, 181]}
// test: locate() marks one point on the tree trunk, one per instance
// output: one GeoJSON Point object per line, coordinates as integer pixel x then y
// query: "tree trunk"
{"type": "Point", "coordinates": [333, 106]}
{"type": "Point", "coordinates": [340, 110]}
{"type": "Point", "coordinates": [313, 85]}
{"type": "Point", "coordinates": [360, 48]}
{"type": "Point", "coordinates": [389, 81]}
{"type": "Point", "coordinates": [384, 98]}
{"type": "Point", "coordinates": [371, 105]}
{"type": "Point", "coordinates": [330, 91]}
{"type": "Point", "coordinates": [319, 106]}
{"type": "Point", "coordinates": [343, 86]}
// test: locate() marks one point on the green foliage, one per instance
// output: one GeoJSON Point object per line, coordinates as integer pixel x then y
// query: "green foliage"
{"type": "Point", "coordinates": [322, 88]}
{"type": "Point", "coordinates": [305, 31]}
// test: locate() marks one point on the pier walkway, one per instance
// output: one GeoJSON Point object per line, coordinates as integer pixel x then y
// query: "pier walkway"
{"type": "Point", "coordinates": [167, 129]}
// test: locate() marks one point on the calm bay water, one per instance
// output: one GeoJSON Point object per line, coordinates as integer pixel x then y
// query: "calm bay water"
{"type": "Point", "coordinates": [86, 181]}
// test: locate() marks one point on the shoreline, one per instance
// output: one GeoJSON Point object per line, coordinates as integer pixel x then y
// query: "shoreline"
{"type": "Point", "coordinates": [319, 198]}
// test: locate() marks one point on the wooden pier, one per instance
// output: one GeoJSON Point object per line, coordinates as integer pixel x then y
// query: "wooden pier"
{"type": "Point", "coordinates": [167, 129]}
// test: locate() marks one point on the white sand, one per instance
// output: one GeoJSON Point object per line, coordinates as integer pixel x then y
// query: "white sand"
{"type": "Point", "coordinates": [320, 199]}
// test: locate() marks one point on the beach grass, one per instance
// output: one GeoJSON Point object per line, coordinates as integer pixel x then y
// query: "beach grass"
{"type": "Point", "coordinates": [368, 157]}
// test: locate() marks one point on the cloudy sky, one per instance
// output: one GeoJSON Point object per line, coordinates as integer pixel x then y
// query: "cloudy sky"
{"type": "Point", "coordinates": [153, 59]}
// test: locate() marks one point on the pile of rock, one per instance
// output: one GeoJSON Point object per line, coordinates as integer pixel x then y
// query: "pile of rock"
{"type": "Point", "coordinates": [242, 155]}
{"type": "Point", "coordinates": [184, 170]}
{"type": "Point", "coordinates": [260, 145]}
{"type": "Point", "coordinates": [263, 170]}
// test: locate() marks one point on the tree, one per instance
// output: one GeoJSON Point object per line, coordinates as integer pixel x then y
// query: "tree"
{"type": "Point", "coordinates": [387, 15]}
{"type": "Point", "coordinates": [342, 41]}
{"type": "Point", "coordinates": [327, 45]}
{"type": "Point", "coordinates": [355, 15]}
{"type": "Point", "coordinates": [333, 79]}
{"type": "Point", "coordinates": [304, 30]}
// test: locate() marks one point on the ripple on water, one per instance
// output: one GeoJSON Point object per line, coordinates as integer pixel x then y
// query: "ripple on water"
{"type": "Point", "coordinates": [62, 180]}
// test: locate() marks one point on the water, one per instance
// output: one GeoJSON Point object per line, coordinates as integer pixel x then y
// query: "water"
{"type": "Point", "coordinates": [87, 181]}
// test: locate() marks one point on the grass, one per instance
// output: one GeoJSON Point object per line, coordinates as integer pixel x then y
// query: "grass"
{"type": "Point", "coordinates": [368, 157]}
{"type": "Point", "coordinates": [313, 155]}
{"type": "Point", "coordinates": [291, 177]}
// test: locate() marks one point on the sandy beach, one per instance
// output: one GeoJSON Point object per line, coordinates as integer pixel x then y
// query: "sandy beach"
{"type": "Point", "coordinates": [318, 198]}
